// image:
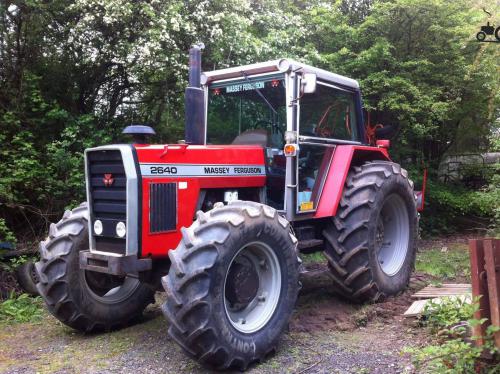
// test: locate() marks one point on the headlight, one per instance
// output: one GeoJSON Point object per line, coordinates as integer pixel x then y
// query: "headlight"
{"type": "Point", "coordinates": [121, 230]}
{"type": "Point", "coordinates": [98, 227]}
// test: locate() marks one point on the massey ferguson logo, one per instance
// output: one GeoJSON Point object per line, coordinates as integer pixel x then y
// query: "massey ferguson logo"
{"type": "Point", "coordinates": [108, 180]}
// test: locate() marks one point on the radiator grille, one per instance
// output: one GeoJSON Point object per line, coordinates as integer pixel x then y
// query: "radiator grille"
{"type": "Point", "coordinates": [163, 207]}
{"type": "Point", "coordinates": [108, 202]}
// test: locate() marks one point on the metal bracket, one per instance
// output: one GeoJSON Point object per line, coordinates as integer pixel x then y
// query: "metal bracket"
{"type": "Point", "coordinates": [114, 265]}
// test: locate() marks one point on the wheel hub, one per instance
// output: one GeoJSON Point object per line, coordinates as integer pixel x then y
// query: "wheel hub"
{"type": "Point", "coordinates": [252, 287]}
{"type": "Point", "coordinates": [379, 237]}
{"type": "Point", "coordinates": [393, 235]}
{"type": "Point", "coordinates": [242, 283]}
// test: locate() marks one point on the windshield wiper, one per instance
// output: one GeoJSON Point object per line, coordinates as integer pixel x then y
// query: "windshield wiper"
{"type": "Point", "coordinates": [260, 94]}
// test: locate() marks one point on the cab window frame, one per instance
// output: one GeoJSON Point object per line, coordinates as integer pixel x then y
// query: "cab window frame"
{"type": "Point", "coordinates": [358, 113]}
{"type": "Point", "coordinates": [251, 78]}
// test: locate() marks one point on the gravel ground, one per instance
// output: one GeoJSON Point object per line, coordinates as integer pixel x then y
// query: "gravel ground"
{"type": "Point", "coordinates": [326, 335]}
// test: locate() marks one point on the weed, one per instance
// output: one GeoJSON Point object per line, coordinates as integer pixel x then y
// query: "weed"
{"type": "Point", "coordinates": [449, 312]}
{"type": "Point", "coordinates": [456, 355]}
{"type": "Point", "coordinates": [23, 308]}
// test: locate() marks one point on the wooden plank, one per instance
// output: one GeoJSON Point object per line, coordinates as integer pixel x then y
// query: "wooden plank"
{"type": "Point", "coordinates": [445, 290]}
{"type": "Point", "coordinates": [492, 266]}
{"type": "Point", "coordinates": [418, 306]}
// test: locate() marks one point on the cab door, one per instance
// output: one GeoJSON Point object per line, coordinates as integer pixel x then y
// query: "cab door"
{"type": "Point", "coordinates": [327, 118]}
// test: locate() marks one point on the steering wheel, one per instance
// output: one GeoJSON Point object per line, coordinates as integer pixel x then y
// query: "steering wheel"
{"type": "Point", "coordinates": [323, 130]}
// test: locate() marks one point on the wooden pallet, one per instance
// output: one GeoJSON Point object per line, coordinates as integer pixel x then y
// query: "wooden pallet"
{"type": "Point", "coordinates": [447, 289]}
{"type": "Point", "coordinates": [435, 294]}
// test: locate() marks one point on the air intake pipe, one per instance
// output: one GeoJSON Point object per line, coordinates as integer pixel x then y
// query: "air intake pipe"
{"type": "Point", "coordinates": [195, 131]}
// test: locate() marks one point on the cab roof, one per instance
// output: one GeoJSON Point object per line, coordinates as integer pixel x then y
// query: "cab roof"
{"type": "Point", "coordinates": [281, 65]}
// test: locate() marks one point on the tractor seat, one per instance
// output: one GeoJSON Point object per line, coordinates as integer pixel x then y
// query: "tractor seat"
{"type": "Point", "coordinates": [252, 137]}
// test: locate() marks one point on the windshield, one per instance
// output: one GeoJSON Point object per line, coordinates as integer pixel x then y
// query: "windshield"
{"type": "Point", "coordinates": [247, 111]}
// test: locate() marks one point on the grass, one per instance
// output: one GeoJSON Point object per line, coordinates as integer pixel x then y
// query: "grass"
{"type": "Point", "coordinates": [448, 265]}
{"type": "Point", "coordinates": [313, 258]}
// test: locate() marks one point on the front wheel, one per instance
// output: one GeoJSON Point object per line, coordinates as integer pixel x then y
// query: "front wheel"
{"type": "Point", "coordinates": [84, 300]}
{"type": "Point", "coordinates": [232, 285]}
{"type": "Point", "coordinates": [480, 36]}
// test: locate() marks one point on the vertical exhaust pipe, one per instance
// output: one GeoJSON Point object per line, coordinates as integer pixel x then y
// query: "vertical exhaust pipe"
{"type": "Point", "coordinates": [195, 130]}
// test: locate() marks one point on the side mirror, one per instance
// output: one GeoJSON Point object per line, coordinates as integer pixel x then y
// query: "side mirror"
{"type": "Point", "coordinates": [308, 83]}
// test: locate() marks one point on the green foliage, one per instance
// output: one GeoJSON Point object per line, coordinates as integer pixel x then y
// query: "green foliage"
{"type": "Point", "coordinates": [12, 264]}
{"type": "Point", "coordinates": [452, 264]}
{"type": "Point", "coordinates": [448, 312]}
{"type": "Point", "coordinates": [450, 208]}
{"type": "Point", "coordinates": [21, 309]}
{"type": "Point", "coordinates": [6, 235]}
{"type": "Point", "coordinates": [454, 355]}
{"type": "Point", "coordinates": [313, 258]}
{"type": "Point", "coordinates": [74, 73]}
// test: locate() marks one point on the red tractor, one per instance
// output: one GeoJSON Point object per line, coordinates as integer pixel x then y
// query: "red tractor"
{"type": "Point", "coordinates": [274, 162]}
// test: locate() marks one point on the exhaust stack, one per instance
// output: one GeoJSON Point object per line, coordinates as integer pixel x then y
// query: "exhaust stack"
{"type": "Point", "coordinates": [195, 130]}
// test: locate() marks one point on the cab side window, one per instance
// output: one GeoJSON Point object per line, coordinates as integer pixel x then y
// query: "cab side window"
{"type": "Point", "coordinates": [329, 113]}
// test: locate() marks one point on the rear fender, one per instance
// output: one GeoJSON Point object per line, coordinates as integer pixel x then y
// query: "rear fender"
{"type": "Point", "coordinates": [344, 158]}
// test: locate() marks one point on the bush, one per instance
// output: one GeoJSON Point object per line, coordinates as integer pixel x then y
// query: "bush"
{"type": "Point", "coordinates": [449, 209]}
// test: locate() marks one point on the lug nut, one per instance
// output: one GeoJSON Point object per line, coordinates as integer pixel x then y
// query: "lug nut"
{"type": "Point", "coordinates": [262, 297]}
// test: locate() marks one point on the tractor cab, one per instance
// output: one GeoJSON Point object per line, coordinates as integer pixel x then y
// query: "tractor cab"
{"type": "Point", "coordinates": [289, 109]}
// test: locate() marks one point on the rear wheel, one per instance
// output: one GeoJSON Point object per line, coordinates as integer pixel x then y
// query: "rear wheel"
{"type": "Point", "coordinates": [84, 300]}
{"type": "Point", "coordinates": [27, 277]}
{"type": "Point", "coordinates": [232, 285]}
{"type": "Point", "coordinates": [371, 242]}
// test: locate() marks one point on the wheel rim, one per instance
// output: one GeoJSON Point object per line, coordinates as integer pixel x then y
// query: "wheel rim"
{"type": "Point", "coordinates": [393, 235]}
{"type": "Point", "coordinates": [33, 274]}
{"type": "Point", "coordinates": [252, 287]}
{"type": "Point", "coordinates": [109, 289]}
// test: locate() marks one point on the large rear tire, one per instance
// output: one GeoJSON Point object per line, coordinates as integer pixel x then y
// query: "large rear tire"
{"type": "Point", "coordinates": [371, 243]}
{"type": "Point", "coordinates": [86, 301]}
{"type": "Point", "coordinates": [232, 285]}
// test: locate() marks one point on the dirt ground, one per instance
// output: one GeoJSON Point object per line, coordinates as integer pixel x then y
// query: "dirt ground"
{"type": "Point", "coordinates": [326, 335]}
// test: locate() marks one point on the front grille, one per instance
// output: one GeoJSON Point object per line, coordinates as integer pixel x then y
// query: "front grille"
{"type": "Point", "coordinates": [108, 199]}
{"type": "Point", "coordinates": [162, 207]}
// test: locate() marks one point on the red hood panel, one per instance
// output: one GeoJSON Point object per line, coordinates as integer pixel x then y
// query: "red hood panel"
{"type": "Point", "coordinates": [192, 168]}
